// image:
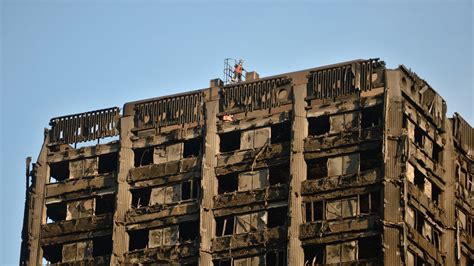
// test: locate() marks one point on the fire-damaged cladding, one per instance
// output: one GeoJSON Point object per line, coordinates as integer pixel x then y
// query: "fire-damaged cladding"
{"type": "Point", "coordinates": [175, 110]}
{"type": "Point", "coordinates": [259, 95]}
{"type": "Point", "coordinates": [85, 126]}
{"type": "Point", "coordinates": [346, 79]}
{"type": "Point", "coordinates": [346, 164]}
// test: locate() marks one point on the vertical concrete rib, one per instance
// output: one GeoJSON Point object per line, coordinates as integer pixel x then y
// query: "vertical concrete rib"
{"type": "Point", "coordinates": [298, 174]}
{"type": "Point", "coordinates": [41, 175]}
{"type": "Point", "coordinates": [209, 181]}
{"type": "Point", "coordinates": [448, 199]}
{"type": "Point", "coordinates": [120, 236]}
{"type": "Point", "coordinates": [392, 224]}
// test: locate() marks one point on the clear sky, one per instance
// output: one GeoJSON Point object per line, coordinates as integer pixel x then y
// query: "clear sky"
{"type": "Point", "coordinates": [64, 56]}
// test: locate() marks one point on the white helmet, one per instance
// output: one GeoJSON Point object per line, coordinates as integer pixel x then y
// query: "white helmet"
{"type": "Point", "coordinates": [241, 61]}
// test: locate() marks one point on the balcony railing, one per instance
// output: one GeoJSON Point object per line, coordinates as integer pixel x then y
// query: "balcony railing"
{"type": "Point", "coordinates": [84, 126]}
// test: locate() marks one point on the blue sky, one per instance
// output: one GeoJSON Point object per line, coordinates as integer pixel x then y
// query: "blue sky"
{"type": "Point", "coordinates": [65, 56]}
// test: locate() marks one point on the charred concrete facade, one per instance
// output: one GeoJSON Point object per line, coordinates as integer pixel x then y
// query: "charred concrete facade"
{"type": "Point", "coordinates": [344, 164]}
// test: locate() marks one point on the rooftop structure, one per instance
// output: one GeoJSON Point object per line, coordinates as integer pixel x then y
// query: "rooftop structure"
{"type": "Point", "coordinates": [341, 164]}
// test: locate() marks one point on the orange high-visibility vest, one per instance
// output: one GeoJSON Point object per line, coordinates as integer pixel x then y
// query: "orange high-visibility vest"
{"type": "Point", "coordinates": [238, 69]}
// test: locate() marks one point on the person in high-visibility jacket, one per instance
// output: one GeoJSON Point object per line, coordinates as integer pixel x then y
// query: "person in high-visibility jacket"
{"type": "Point", "coordinates": [238, 69]}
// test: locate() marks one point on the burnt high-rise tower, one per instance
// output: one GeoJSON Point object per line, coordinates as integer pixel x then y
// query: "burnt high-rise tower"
{"type": "Point", "coordinates": [345, 164]}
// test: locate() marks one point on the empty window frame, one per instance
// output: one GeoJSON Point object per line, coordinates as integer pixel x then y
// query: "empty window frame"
{"type": "Point", "coordinates": [143, 156]}
{"type": "Point", "coordinates": [225, 225]}
{"type": "Point", "coordinates": [317, 168]}
{"type": "Point", "coordinates": [190, 189]}
{"type": "Point", "coordinates": [426, 228]}
{"type": "Point", "coordinates": [368, 247]}
{"type": "Point", "coordinates": [53, 253]}
{"type": "Point", "coordinates": [108, 163]}
{"type": "Point", "coordinates": [188, 231]}
{"type": "Point", "coordinates": [104, 204]}
{"type": "Point", "coordinates": [59, 171]}
{"type": "Point", "coordinates": [314, 211]}
{"type": "Point", "coordinates": [318, 125]}
{"type": "Point", "coordinates": [419, 136]}
{"type": "Point", "coordinates": [222, 262]}
{"type": "Point", "coordinates": [430, 189]}
{"type": "Point", "coordinates": [275, 258]}
{"type": "Point", "coordinates": [277, 217]}
{"type": "Point", "coordinates": [56, 212]}
{"type": "Point", "coordinates": [192, 148]}
{"type": "Point", "coordinates": [229, 141]}
{"type": "Point", "coordinates": [370, 159]}
{"type": "Point", "coordinates": [228, 183]}
{"type": "Point", "coordinates": [140, 197]}
{"type": "Point", "coordinates": [281, 132]}
{"type": "Point", "coordinates": [138, 239]}
{"type": "Point", "coordinates": [372, 116]}
{"type": "Point", "coordinates": [436, 154]}
{"type": "Point", "coordinates": [363, 204]}
{"type": "Point", "coordinates": [102, 246]}
{"type": "Point", "coordinates": [313, 254]}
{"type": "Point", "coordinates": [279, 174]}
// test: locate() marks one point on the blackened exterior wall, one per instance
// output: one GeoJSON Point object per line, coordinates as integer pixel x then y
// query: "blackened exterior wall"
{"type": "Point", "coordinates": [348, 163]}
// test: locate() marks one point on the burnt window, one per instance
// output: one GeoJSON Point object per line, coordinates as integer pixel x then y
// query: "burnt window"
{"type": "Point", "coordinates": [138, 239]}
{"type": "Point", "coordinates": [140, 197]}
{"type": "Point", "coordinates": [222, 262]}
{"type": "Point", "coordinates": [228, 183]}
{"type": "Point", "coordinates": [369, 203]}
{"type": "Point", "coordinates": [314, 211]}
{"type": "Point", "coordinates": [188, 231]}
{"type": "Point", "coordinates": [375, 202]}
{"type": "Point", "coordinates": [59, 171]}
{"type": "Point", "coordinates": [419, 222]}
{"type": "Point", "coordinates": [281, 132]}
{"type": "Point", "coordinates": [108, 163]}
{"type": "Point", "coordinates": [229, 141]}
{"type": "Point", "coordinates": [56, 212]}
{"type": "Point", "coordinates": [435, 193]}
{"type": "Point", "coordinates": [313, 254]}
{"type": "Point", "coordinates": [224, 225]}
{"type": "Point", "coordinates": [53, 253]}
{"type": "Point", "coordinates": [143, 156]}
{"type": "Point", "coordinates": [277, 216]}
{"type": "Point", "coordinates": [275, 258]}
{"type": "Point", "coordinates": [419, 179]}
{"type": "Point", "coordinates": [317, 168]}
{"type": "Point", "coordinates": [104, 204]}
{"type": "Point", "coordinates": [318, 125]}
{"type": "Point", "coordinates": [436, 154]}
{"type": "Point", "coordinates": [189, 190]}
{"type": "Point", "coordinates": [418, 136]}
{"type": "Point", "coordinates": [372, 116]}
{"type": "Point", "coordinates": [279, 174]}
{"type": "Point", "coordinates": [369, 247]}
{"type": "Point", "coordinates": [102, 246]}
{"type": "Point", "coordinates": [370, 159]}
{"type": "Point", "coordinates": [364, 203]}
{"type": "Point", "coordinates": [192, 148]}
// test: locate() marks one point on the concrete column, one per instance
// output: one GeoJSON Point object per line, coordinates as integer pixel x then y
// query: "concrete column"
{"type": "Point", "coordinates": [393, 229]}
{"type": "Point", "coordinates": [448, 198]}
{"type": "Point", "coordinates": [298, 175]}
{"type": "Point", "coordinates": [37, 205]}
{"type": "Point", "coordinates": [209, 180]}
{"type": "Point", "coordinates": [126, 161]}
